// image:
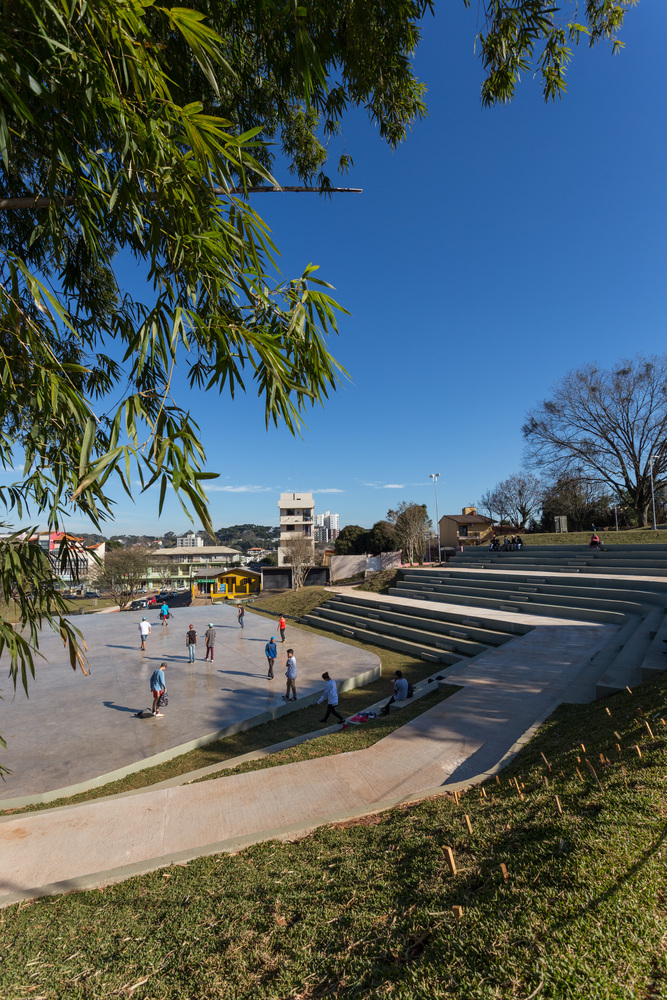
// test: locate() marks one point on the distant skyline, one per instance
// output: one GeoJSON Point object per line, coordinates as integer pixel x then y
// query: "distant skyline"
{"type": "Point", "coordinates": [495, 250]}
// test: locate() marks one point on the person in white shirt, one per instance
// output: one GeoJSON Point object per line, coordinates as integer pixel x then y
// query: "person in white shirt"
{"type": "Point", "coordinates": [144, 630]}
{"type": "Point", "coordinates": [331, 694]}
{"type": "Point", "coordinates": [290, 674]}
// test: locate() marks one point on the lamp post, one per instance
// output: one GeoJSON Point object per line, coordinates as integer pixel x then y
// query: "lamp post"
{"type": "Point", "coordinates": [653, 458]}
{"type": "Point", "coordinates": [435, 476]}
{"type": "Point", "coordinates": [616, 515]}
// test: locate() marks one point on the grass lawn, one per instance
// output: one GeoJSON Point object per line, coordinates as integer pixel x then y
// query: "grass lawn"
{"type": "Point", "coordinates": [557, 903]}
{"type": "Point", "coordinates": [293, 602]}
{"type": "Point", "coordinates": [634, 536]}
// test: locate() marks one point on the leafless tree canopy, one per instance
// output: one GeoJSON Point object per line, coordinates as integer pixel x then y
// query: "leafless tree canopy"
{"type": "Point", "coordinates": [515, 499]}
{"type": "Point", "coordinates": [605, 426]}
{"type": "Point", "coordinates": [299, 553]}
{"type": "Point", "coordinates": [122, 572]}
{"type": "Point", "coordinates": [411, 523]}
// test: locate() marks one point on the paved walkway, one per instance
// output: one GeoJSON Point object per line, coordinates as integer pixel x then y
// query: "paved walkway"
{"type": "Point", "coordinates": [505, 692]}
{"type": "Point", "coordinates": [74, 729]}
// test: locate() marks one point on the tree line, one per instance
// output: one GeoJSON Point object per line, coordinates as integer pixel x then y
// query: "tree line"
{"type": "Point", "coordinates": [596, 450]}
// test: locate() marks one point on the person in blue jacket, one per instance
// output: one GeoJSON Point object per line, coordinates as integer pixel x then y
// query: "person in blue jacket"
{"type": "Point", "coordinates": [158, 687]}
{"type": "Point", "coordinates": [271, 653]}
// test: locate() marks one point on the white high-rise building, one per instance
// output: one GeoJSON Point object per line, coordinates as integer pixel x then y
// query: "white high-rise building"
{"type": "Point", "coordinates": [189, 541]}
{"type": "Point", "coordinates": [297, 515]}
{"type": "Point", "coordinates": [326, 527]}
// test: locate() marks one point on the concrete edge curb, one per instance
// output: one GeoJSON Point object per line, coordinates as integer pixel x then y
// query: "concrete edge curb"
{"type": "Point", "coordinates": [366, 677]}
{"type": "Point", "coordinates": [292, 831]}
{"type": "Point", "coordinates": [188, 777]}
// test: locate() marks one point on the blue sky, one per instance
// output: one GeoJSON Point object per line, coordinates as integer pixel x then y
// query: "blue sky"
{"type": "Point", "coordinates": [494, 251]}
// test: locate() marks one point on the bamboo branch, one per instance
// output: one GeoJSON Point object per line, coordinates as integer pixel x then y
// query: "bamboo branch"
{"type": "Point", "coordinates": [38, 201]}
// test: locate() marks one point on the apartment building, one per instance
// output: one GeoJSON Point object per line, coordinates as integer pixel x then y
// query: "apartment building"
{"type": "Point", "coordinates": [297, 515]}
{"type": "Point", "coordinates": [326, 527]}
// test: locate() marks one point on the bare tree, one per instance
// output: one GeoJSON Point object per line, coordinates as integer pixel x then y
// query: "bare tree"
{"type": "Point", "coordinates": [515, 498]}
{"type": "Point", "coordinates": [122, 572]}
{"type": "Point", "coordinates": [580, 501]}
{"type": "Point", "coordinates": [412, 524]}
{"type": "Point", "coordinates": [609, 427]}
{"type": "Point", "coordinates": [299, 553]}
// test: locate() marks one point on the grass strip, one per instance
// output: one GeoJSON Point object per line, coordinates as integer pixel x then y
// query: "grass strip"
{"type": "Point", "coordinates": [561, 899]}
{"type": "Point", "coordinates": [356, 737]}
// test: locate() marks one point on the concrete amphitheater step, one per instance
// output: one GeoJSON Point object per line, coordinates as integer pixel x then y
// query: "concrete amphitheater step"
{"type": "Point", "coordinates": [566, 597]}
{"type": "Point", "coordinates": [408, 618]}
{"type": "Point", "coordinates": [613, 589]}
{"type": "Point", "coordinates": [625, 670]}
{"type": "Point", "coordinates": [552, 610]}
{"type": "Point", "coordinates": [471, 621]}
{"type": "Point", "coordinates": [461, 642]}
{"type": "Point", "coordinates": [420, 650]}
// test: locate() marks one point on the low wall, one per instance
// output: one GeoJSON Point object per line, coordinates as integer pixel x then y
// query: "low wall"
{"type": "Point", "coordinates": [344, 567]}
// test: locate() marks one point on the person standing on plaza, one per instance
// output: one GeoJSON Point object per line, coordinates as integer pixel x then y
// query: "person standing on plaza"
{"type": "Point", "coordinates": [144, 630]}
{"type": "Point", "coordinates": [271, 653]}
{"type": "Point", "coordinates": [240, 615]}
{"type": "Point", "coordinates": [290, 674]}
{"type": "Point", "coordinates": [191, 643]}
{"type": "Point", "coordinates": [209, 635]}
{"type": "Point", "coordinates": [282, 625]}
{"type": "Point", "coordinates": [164, 613]}
{"type": "Point", "coordinates": [158, 687]}
{"type": "Point", "coordinates": [331, 694]}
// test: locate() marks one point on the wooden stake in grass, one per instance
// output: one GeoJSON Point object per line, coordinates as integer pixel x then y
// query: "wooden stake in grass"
{"type": "Point", "coordinates": [607, 710]}
{"type": "Point", "coordinates": [581, 777]}
{"type": "Point", "coordinates": [618, 747]}
{"type": "Point", "coordinates": [592, 770]}
{"type": "Point", "coordinates": [602, 758]}
{"type": "Point", "coordinates": [497, 780]}
{"type": "Point", "coordinates": [468, 823]}
{"type": "Point", "coordinates": [558, 806]}
{"type": "Point", "coordinates": [663, 722]}
{"type": "Point", "coordinates": [650, 731]}
{"type": "Point", "coordinates": [628, 689]}
{"type": "Point", "coordinates": [516, 783]}
{"type": "Point", "coordinates": [582, 747]}
{"type": "Point", "coordinates": [483, 790]}
{"type": "Point", "coordinates": [618, 736]}
{"type": "Point", "coordinates": [503, 869]}
{"type": "Point", "coordinates": [456, 796]}
{"type": "Point", "coordinates": [449, 858]}
{"type": "Point", "coordinates": [638, 750]}
{"type": "Point", "coordinates": [545, 760]}
{"type": "Point", "coordinates": [458, 912]}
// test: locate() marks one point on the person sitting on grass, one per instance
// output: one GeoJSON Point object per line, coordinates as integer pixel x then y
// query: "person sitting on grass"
{"type": "Point", "coordinates": [400, 691]}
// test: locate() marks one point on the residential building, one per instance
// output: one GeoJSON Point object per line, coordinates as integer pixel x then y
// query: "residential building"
{"type": "Point", "coordinates": [326, 527]}
{"type": "Point", "coordinates": [189, 540]}
{"type": "Point", "coordinates": [297, 513]}
{"type": "Point", "coordinates": [466, 528]}
{"type": "Point", "coordinates": [189, 567]}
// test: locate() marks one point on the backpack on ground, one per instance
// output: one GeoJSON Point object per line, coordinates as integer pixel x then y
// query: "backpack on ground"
{"type": "Point", "coordinates": [411, 689]}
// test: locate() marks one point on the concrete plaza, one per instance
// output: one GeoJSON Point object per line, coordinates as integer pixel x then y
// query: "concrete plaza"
{"type": "Point", "coordinates": [73, 729]}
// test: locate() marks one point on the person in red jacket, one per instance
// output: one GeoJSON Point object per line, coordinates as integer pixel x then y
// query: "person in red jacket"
{"type": "Point", "coordinates": [282, 625]}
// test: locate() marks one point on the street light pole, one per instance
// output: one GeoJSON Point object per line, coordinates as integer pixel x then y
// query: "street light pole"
{"type": "Point", "coordinates": [616, 515]}
{"type": "Point", "coordinates": [435, 476]}
{"type": "Point", "coordinates": [655, 526]}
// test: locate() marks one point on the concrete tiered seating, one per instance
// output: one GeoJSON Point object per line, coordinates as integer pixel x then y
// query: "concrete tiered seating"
{"type": "Point", "coordinates": [636, 606]}
{"type": "Point", "coordinates": [627, 560]}
{"type": "Point", "coordinates": [437, 635]}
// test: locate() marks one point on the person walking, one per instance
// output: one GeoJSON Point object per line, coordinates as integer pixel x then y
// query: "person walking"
{"type": "Point", "coordinates": [164, 614]}
{"type": "Point", "coordinates": [331, 694]}
{"type": "Point", "coordinates": [241, 615]}
{"type": "Point", "coordinates": [209, 635]}
{"type": "Point", "coordinates": [271, 653]}
{"type": "Point", "coordinates": [290, 674]}
{"type": "Point", "coordinates": [282, 625]}
{"type": "Point", "coordinates": [144, 630]}
{"type": "Point", "coordinates": [191, 643]}
{"type": "Point", "coordinates": [158, 687]}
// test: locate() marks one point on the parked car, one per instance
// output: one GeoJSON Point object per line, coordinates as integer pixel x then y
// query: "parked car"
{"type": "Point", "coordinates": [138, 605]}
{"type": "Point", "coordinates": [91, 593]}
